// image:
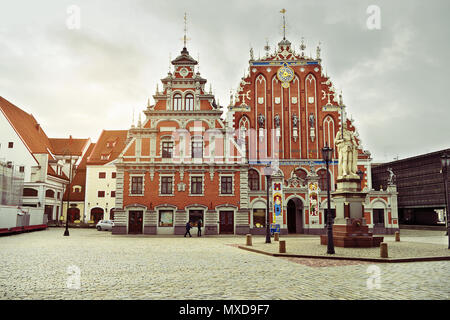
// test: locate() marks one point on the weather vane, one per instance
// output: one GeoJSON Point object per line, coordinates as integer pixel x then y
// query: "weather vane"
{"type": "Point", "coordinates": [283, 11]}
{"type": "Point", "coordinates": [185, 38]}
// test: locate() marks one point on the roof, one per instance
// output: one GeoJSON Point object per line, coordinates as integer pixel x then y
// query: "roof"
{"type": "Point", "coordinates": [26, 127]}
{"type": "Point", "coordinates": [75, 147]}
{"type": "Point", "coordinates": [108, 147]}
{"type": "Point", "coordinates": [79, 179]}
{"type": "Point", "coordinates": [184, 58]}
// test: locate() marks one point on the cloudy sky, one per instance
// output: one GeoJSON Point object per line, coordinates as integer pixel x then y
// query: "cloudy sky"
{"type": "Point", "coordinates": [80, 81]}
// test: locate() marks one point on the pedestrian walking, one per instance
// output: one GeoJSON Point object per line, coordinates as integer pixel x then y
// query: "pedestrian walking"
{"type": "Point", "coordinates": [188, 228]}
{"type": "Point", "coordinates": [199, 226]}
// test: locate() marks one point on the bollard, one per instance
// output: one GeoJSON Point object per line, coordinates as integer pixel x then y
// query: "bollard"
{"type": "Point", "coordinates": [282, 246]}
{"type": "Point", "coordinates": [383, 250]}
{"type": "Point", "coordinates": [397, 236]}
{"type": "Point", "coordinates": [276, 236]}
{"type": "Point", "coordinates": [249, 239]}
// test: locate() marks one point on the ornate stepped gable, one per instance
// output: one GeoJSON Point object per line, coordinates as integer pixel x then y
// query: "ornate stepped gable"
{"type": "Point", "coordinates": [288, 92]}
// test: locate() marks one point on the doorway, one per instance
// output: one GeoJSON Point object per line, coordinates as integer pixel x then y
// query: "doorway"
{"type": "Point", "coordinates": [226, 219]}
{"type": "Point", "coordinates": [295, 216]}
{"type": "Point", "coordinates": [96, 214]}
{"type": "Point", "coordinates": [135, 224]}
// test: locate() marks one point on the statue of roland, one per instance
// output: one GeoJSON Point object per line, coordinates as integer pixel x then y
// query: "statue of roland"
{"type": "Point", "coordinates": [346, 146]}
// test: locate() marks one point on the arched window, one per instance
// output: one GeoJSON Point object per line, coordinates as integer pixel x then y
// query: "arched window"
{"type": "Point", "coordinates": [322, 173]}
{"type": "Point", "coordinates": [253, 179]}
{"type": "Point", "coordinates": [189, 102]}
{"type": "Point", "coordinates": [49, 193]}
{"type": "Point", "coordinates": [301, 174]}
{"type": "Point", "coordinates": [177, 101]}
{"type": "Point", "coordinates": [28, 192]}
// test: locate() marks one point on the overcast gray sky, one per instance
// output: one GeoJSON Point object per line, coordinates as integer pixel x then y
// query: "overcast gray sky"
{"type": "Point", "coordinates": [80, 81]}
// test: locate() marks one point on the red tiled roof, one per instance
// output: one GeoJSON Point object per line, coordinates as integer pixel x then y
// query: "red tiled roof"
{"type": "Point", "coordinates": [26, 127]}
{"type": "Point", "coordinates": [62, 145]}
{"type": "Point", "coordinates": [79, 179]}
{"type": "Point", "coordinates": [109, 145]}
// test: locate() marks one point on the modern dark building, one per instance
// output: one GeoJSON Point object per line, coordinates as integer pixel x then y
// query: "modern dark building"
{"type": "Point", "coordinates": [420, 186]}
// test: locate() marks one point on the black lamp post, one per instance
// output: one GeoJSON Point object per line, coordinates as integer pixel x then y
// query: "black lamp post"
{"type": "Point", "coordinates": [445, 164]}
{"type": "Point", "coordinates": [268, 173]}
{"type": "Point", "coordinates": [327, 153]}
{"type": "Point", "coordinates": [66, 232]}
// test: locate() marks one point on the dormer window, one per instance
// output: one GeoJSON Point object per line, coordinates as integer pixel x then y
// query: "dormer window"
{"type": "Point", "coordinates": [189, 102]}
{"type": "Point", "coordinates": [110, 144]}
{"type": "Point", "coordinates": [104, 157]}
{"type": "Point", "coordinates": [177, 102]}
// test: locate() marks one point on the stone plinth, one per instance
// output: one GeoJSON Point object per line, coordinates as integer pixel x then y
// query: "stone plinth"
{"type": "Point", "coordinates": [352, 235]}
{"type": "Point", "coordinates": [350, 229]}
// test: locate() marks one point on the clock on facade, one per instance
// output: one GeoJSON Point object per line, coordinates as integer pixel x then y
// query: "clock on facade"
{"type": "Point", "coordinates": [184, 72]}
{"type": "Point", "coordinates": [285, 74]}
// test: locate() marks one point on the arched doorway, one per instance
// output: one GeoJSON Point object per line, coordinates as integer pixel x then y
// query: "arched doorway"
{"type": "Point", "coordinates": [295, 216]}
{"type": "Point", "coordinates": [74, 214]}
{"type": "Point", "coordinates": [96, 214]}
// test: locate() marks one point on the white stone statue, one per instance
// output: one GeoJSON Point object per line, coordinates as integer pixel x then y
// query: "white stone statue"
{"type": "Point", "coordinates": [346, 146]}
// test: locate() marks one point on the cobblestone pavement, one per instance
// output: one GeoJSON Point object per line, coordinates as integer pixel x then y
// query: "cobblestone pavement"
{"type": "Point", "coordinates": [37, 265]}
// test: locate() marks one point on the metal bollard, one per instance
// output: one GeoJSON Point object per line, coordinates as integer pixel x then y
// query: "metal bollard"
{"type": "Point", "coordinates": [276, 236]}
{"type": "Point", "coordinates": [383, 250]}
{"type": "Point", "coordinates": [282, 248]}
{"type": "Point", "coordinates": [397, 236]}
{"type": "Point", "coordinates": [249, 239]}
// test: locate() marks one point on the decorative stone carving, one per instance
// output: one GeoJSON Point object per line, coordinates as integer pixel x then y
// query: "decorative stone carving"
{"type": "Point", "coordinates": [294, 121]}
{"type": "Point", "coordinates": [277, 120]}
{"type": "Point", "coordinates": [391, 178]}
{"type": "Point", "coordinates": [261, 120]}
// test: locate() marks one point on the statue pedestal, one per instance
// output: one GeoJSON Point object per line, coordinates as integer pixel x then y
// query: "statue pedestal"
{"type": "Point", "coordinates": [350, 228]}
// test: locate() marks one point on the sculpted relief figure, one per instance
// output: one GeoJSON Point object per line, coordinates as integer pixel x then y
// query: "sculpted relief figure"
{"type": "Point", "coordinates": [261, 120]}
{"type": "Point", "coordinates": [348, 153]}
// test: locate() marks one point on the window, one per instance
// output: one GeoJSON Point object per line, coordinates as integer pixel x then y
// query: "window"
{"type": "Point", "coordinates": [226, 185]}
{"type": "Point", "coordinates": [101, 194]}
{"type": "Point", "coordinates": [259, 218]}
{"type": "Point", "coordinates": [197, 149]}
{"type": "Point", "coordinates": [322, 179]}
{"type": "Point", "coordinates": [196, 185]}
{"type": "Point", "coordinates": [113, 194]}
{"type": "Point", "coordinates": [10, 145]}
{"type": "Point", "coordinates": [102, 175]}
{"type": "Point", "coordinates": [301, 174]}
{"type": "Point", "coordinates": [253, 180]}
{"type": "Point", "coordinates": [166, 218]}
{"type": "Point", "coordinates": [28, 192]}
{"type": "Point", "coordinates": [49, 194]}
{"type": "Point", "coordinates": [59, 195]}
{"type": "Point", "coordinates": [166, 185]}
{"type": "Point", "coordinates": [104, 157]}
{"type": "Point", "coordinates": [189, 102]}
{"type": "Point", "coordinates": [167, 149]}
{"type": "Point", "coordinates": [21, 169]}
{"type": "Point", "coordinates": [113, 175]}
{"type": "Point", "coordinates": [136, 185]}
{"type": "Point", "coordinates": [177, 102]}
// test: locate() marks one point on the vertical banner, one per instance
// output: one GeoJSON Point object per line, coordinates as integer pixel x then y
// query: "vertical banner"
{"type": "Point", "coordinates": [313, 194]}
{"type": "Point", "coordinates": [277, 188]}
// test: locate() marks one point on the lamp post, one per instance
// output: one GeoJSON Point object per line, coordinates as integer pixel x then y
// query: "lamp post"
{"type": "Point", "coordinates": [66, 232]}
{"type": "Point", "coordinates": [327, 153]}
{"type": "Point", "coordinates": [445, 164]}
{"type": "Point", "coordinates": [268, 173]}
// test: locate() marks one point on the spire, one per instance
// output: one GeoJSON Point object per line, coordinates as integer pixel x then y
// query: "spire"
{"type": "Point", "coordinates": [132, 121]}
{"type": "Point", "coordinates": [283, 11]}
{"type": "Point", "coordinates": [303, 46]}
{"type": "Point", "coordinates": [185, 30]}
{"type": "Point", "coordinates": [267, 47]}
{"type": "Point", "coordinates": [318, 51]}
{"type": "Point", "coordinates": [139, 121]}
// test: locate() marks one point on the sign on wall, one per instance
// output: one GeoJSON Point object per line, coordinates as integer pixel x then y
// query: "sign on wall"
{"type": "Point", "coordinates": [277, 199]}
{"type": "Point", "coordinates": [313, 194]}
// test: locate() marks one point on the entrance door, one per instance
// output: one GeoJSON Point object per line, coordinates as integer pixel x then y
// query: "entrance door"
{"type": "Point", "coordinates": [378, 221]}
{"type": "Point", "coordinates": [135, 219]}
{"type": "Point", "coordinates": [295, 216]}
{"type": "Point", "coordinates": [96, 214]}
{"type": "Point", "coordinates": [226, 222]}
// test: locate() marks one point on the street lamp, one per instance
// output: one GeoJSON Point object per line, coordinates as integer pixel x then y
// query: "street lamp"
{"type": "Point", "coordinates": [445, 164]}
{"type": "Point", "coordinates": [66, 232]}
{"type": "Point", "coordinates": [268, 173]}
{"type": "Point", "coordinates": [327, 153]}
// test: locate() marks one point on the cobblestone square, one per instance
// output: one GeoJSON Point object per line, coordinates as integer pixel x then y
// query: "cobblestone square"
{"type": "Point", "coordinates": [44, 265]}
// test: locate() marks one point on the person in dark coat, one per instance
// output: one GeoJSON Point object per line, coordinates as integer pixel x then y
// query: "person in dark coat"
{"type": "Point", "coordinates": [188, 228]}
{"type": "Point", "coordinates": [199, 226]}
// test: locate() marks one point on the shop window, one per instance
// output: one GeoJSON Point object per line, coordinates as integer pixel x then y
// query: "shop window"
{"type": "Point", "coordinates": [166, 218]}
{"type": "Point", "coordinates": [259, 218]}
